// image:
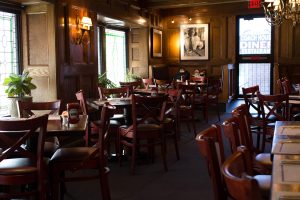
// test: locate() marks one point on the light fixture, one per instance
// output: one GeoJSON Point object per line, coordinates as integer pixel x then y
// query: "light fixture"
{"type": "Point", "coordinates": [190, 19]}
{"type": "Point", "coordinates": [277, 10]}
{"type": "Point", "coordinates": [172, 21]}
{"type": "Point", "coordinates": [82, 26]}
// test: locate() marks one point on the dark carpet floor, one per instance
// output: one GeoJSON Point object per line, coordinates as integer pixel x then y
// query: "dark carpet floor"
{"type": "Point", "coordinates": [186, 179]}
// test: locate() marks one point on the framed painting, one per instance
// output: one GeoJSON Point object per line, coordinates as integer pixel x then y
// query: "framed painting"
{"type": "Point", "coordinates": [156, 43]}
{"type": "Point", "coordinates": [194, 41]}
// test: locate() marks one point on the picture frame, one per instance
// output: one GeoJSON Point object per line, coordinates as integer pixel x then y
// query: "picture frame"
{"type": "Point", "coordinates": [194, 42]}
{"type": "Point", "coordinates": [156, 43]}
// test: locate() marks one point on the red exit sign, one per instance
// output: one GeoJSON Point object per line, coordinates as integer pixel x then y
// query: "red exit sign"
{"type": "Point", "coordinates": [254, 4]}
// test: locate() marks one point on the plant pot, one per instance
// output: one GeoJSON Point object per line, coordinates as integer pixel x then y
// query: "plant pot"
{"type": "Point", "coordinates": [13, 108]}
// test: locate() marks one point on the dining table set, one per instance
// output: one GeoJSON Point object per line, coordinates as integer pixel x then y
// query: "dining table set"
{"type": "Point", "coordinates": [286, 161]}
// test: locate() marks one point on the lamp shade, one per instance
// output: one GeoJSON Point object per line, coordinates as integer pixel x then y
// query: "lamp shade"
{"type": "Point", "coordinates": [86, 22]}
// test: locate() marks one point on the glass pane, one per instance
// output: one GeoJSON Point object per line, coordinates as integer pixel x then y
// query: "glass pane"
{"type": "Point", "coordinates": [8, 54]}
{"type": "Point", "coordinates": [254, 36]}
{"type": "Point", "coordinates": [115, 55]}
{"type": "Point", "coordinates": [251, 74]}
{"type": "Point", "coordinates": [99, 50]}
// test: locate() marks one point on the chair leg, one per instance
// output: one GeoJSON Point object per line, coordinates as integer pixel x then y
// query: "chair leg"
{"type": "Point", "coordinates": [55, 184]}
{"type": "Point", "coordinates": [194, 124]}
{"type": "Point", "coordinates": [104, 185]}
{"type": "Point", "coordinates": [218, 112]}
{"type": "Point", "coordinates": [176, 144]}
{"type": "Point", "coordinates": [133, 158]}
{"type": "Point", "coordinates": [205, 112]}
{"type": "Point", "coordinates": [163, 153]}
{"type": "Point", "coordinates": [263, 141]}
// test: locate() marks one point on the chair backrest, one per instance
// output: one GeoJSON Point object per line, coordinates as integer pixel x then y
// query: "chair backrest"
{"type": "Point", "coordinates": [200, 79]}
{"type": "Point", "coordinates": [15, 133]}
{"type": "Point", "coordinates": [148, 108]}
{"type": "Point", "coordinates": [26, 109]}
{"type": "Point", "coordinates": [132, 85]}
{"type": "Point", "coordinates": [188, 95]}
{"type": "Point", "coordinates": [250, 97]}
{"type": "Point", "coordinates": [279, 85]}
{"type": "Point", "coordinates": [214, 86]}
{"type": "Point", "coordinates": [147, 82]}
{"type": "Point", "coordinates": [107, 112]}
{"type": "Point", "coordinates": [286, 86]}
{"type": "Point", "coordinates": [232, 132]}
{"type": "Point", "coordinates": [237, 172]}
{"type": "Point", "coordinates": [106, 93]}
{"type": "Point", "coordinates": [163, 83]}
{"type": "Point", "coordinates": [82, 100]}
{"type": "Point", "coordinates": [174, 96]}
{"type": "Point", "coordinates": [244, 120]}
{"type": "Point", "coordinates": [274, 106]}
{"type": "Point", "coordinates": [210, 145]}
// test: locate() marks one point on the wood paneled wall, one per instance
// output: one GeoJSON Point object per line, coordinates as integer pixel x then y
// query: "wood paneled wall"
{"type": "Point", "coordinates": [77, 64]}
{"type": "Point", "coordinates": [39, 57]}
{"type": "Point", "coordinates": [288, 51]}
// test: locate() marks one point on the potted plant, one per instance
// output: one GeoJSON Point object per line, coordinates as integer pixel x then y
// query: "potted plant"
{"type": "Point", "coordinates": [130, 77]}
{"type": "Point", "coordinates": [103, 81]}
{"type": "Point", "coordinates": [19, 88]}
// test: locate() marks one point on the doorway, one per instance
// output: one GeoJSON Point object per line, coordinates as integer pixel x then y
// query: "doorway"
{"type": "Point", "coordinates": [255, 54]}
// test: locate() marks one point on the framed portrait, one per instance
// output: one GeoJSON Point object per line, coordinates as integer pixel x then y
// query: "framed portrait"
{"type": "Point", "coordinates": [156, 43]}
{"type": "Point", "coordinates": [194, 41]}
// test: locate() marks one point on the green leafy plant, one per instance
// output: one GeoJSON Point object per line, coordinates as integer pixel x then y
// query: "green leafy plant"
{"type": "Point", "coordinates": [132, 77]}
{"type": "Point", "coordinates": [19, 85]}
{"type": "Point", "coordinates": [103, 81]}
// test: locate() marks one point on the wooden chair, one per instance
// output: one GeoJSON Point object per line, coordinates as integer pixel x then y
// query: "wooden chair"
{"type": "Point", "coordinates": [288, 88]}
{"type": "Point", "coordinates": [147, 82]}
{"type": "Point", "coordinates": [26, 109]}
{"type": "Point", "coordinates": [214, 89]}
{"type": "Point", "coordinates": [147, 117]}
{"type": "Point", "coordinates": [132, 85]}
{"type": "Point", "coordinates": [240, 181]}
{"type": "Point", "coordinates": [240, 126]}
{"type": "Point", "coordinates": [279, 85]}
{"type": "Point", "coordinates": [29, 109]}
{"type": "Point", "coordinates": [119, 118]}
{"type": "Point", "coordinates": [276, 106]}
{"type": "Point", "coordinates": [250, 98]}
{"type": "Point", "coordinates": [163, 84]}
{"type": "Point", "coordinates": [82, 158]}
{"type": "Point", "coordinates": [201, 97]}
{"type": "Point", "coordinates": [171, 122]}
{"type": "Point", "coordinates": [210, 145]}
{"type": "Point", "coordinates": [22, 165]}
{"type": "Point", "coordinates": [251, 101]}
{"type": "Point", "coordinates": [105, 93]}
{"type": "Point", "coordinates": [187, 105]}
{"type": "Point", "coordinates": [93, 117]}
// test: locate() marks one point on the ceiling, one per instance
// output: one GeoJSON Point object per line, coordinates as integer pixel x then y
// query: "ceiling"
{"type": "Point", "coordinates": [166, 4]}
{"type": "Point", "coordinates": [153, 4]}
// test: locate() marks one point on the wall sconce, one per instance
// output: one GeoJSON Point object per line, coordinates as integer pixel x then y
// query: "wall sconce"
{"type": "Point", "coordinates": [172, 21]}
{"type": "Point", "coordinates": [82, 26]}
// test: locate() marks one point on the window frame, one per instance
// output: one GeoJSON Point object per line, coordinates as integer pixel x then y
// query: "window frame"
{"type": "Point", "coordinates": [263, 58]}
{"type": "Point", "coordinates": [102, 47]}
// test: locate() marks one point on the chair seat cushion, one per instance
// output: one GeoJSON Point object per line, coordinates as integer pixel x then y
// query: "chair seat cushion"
{"type": "Point", "coordinates": [50, 148]}
{"type": "Point", "coordinates": [143, 130]}
{"type": "Point", "coordinates": [72, 154]}
{"type": "Point", "coordinates": [264, 159]}
{"type": "Point", "coordinates": [264, 183]}
{"type": "Point", "coordinates": [17, 166]}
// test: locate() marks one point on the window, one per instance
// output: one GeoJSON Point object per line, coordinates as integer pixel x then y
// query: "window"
{"type": "Point", "coordinates": [9, 58]}
{"type": "Point", "coordinates": [116, 62]}
{"type": "Point", "coordinates": [255, 54]}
